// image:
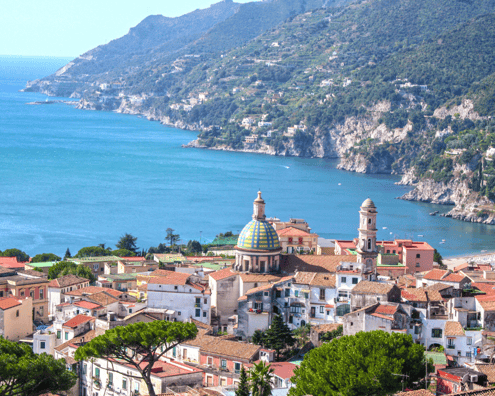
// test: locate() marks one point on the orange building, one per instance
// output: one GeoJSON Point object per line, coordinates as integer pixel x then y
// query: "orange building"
{"type": "Point", "coordinates": [293, 240]}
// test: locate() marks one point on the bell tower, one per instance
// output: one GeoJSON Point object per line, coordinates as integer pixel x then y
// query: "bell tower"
{"type": "Point", "coordinates": [366, 247]}
{"type": "Point", "coordinates": [259, 208]}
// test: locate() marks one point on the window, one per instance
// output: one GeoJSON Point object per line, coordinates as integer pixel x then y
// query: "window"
{"type": "Point", "coordinates": [197, 314]}
{"type": "Point", "coordinates": [322, 294]}
{"type": "Point", "coordinates": [468, 354]}
{"type": "Point", "coordinates": [42, 294]}
{"type": "Point", "coordinates": [97, 372]}
{"type": "Point", "coordinates": [17, 313]}
{"type": "Point", "coordinates": [59, 334]}
{"type": "Point", "coordinates": [355, 281]}
{"type": "Point", "coordinates": [136, 386]}
{"type": "Point", "coordinates": [344, 279]}
{"type": "Point", "coordinates": [378, 299]}
{"type": "Point", "coordinates": [130, 310]}
{"type": "Point", "coordinates": [322, 309]}
{"type": "Point", "coordinates": [369, 244]}
{"type": "Point", "coordinates": [66, 336]}
{"type": "Point", "coordinates": [42, 345]}
{"type": "Point", "coordinates": [287, 292]}
{"type": "Point", "coordinates": [205, 301]}
{"type": "Point", "coordinates": [237, 367]}
{"type": "Point", "coordinates": [417, 265]}
{"type": "Point", "coordinates": [369, 221]}
{"type": "Point", "coordinates": [198, 300]}
{"type": "Point", "coordinates": [209, 361]}
{"type": "Point", "coordinates": [296, 293]}
{"type": "Point", "coordinates": [41, 311]}
{"type": "Point", "coordinates": [124, 383]}
{"type": "Point", "coordinates": [22, 293]}
{"type": "Point", "coordinates": [1, 293]}
{"type": "Point", "coordinates": [266, 294]}
{"type": "Point", "coordinates": [469, 341]}
{"type": "Point", "coordinates": [436, 333]}
{"type": "Point", "coordinates": [204, 314]}
{"type": "Point", "coordinates": [451, 343]}
{"type": "Point", "coordinates": [85, 368]}
{"type": "Point", "coordinates": [388, 251]}
{"type": "Point", "coordinates": [176, 287]}
{"type": "Point", "coordinates": [278, 293]}
{"type": "Point", "coordinates": [295, 309]}
{"type": "Point", "coordinates": [224, 364]}
{"type": "Point", "coordinates": [110, 378]}
{"type": "Point", "coordinates": [418, 255]}
{"type": "Point", "coordinates": [178, 313]}
{"type": "Point", "coordinates": [96, 266]}
{"type": "Point", "coordinates": [306, 295]}
{"type": "Point", "coordinates": [258, 306]}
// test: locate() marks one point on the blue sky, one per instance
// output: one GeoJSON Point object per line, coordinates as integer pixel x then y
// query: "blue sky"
{"type": "Point", "coordinates": [68, 28]}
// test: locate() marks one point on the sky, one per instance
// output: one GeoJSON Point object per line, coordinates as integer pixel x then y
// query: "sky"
{"type": "Point", "coordinates": [68, 28]}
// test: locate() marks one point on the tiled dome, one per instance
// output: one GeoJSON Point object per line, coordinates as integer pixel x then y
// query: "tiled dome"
{"type": "Point", "coordinates": [258, 235]}
{"type": "Point", "coordinates": [368, 203]}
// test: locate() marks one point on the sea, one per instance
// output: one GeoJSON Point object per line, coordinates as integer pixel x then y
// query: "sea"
{"type": "Point", "coordinates": [71, 178]}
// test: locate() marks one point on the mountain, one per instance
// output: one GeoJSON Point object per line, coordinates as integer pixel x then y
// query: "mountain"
{"type": "Point", "coordinates": [389, 86]}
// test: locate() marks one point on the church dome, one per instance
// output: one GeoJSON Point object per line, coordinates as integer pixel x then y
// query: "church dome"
{"type": "Point", "coordinates": [258, 235]}
{"type": "Point", "coordinates": [368, 204]}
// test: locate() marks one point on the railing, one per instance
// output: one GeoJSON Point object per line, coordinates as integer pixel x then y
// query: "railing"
{"type": "Point", "coordinates": [450, 346]}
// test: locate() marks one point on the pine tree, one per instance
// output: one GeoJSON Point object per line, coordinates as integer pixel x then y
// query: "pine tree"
{"type": "Point", "coordinates": [243, 387]}
{"type": "Point", "coordinates": [67, 254]}
{"type": "Point", "coordinates": [278, 336]}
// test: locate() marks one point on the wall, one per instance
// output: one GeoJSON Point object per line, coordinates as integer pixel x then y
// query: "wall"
{"type": "Point", "coordinates": [425, 261]}
{"type": "Point", "coordinates": [16, 327]}
{"type": "Point", "coordinates": [225, 293]}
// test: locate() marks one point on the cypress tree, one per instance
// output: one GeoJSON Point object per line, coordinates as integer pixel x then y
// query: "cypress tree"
{"type": "Point", "coordinates": [278, 336]}
{"type": "Point", "coordinates": [243, 387]}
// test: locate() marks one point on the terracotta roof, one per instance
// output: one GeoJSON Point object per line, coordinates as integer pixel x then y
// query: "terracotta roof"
{"type": "Point", "coordinates": [218, 346]}
{"type": "Point", "coordinates": [223, 274]}
{"type": "Point", "coordinates": [77, 320]}
{"type": "Point", "coordinates": [201, 325]}
{"type": "Point", "coordinates": [11, 262]}
{"type": "Point", "coordinates": [453, 329]}
{"type": "Point", "coordinates": [32, 273]}
{"type": "Point", "coordinates": [293, 232]}
{"type": "Point", "coordinates": [488, 288]}
{"type": "Point", "coordinates": [372, 287]}
{"type": "Point", "coordinates": [325, 328]}
{"type": "Point", "coordinates": [421, 295]}
{"type": "Point", "coordinates": [407, 280]}
{"type": "Point", "coordinates": [323, 279]}
{"type": "Point", "coordinates": [482, 392]}
{"type": "Point", "coordinates": [488, 370]}
{"type": "Point", "coordinates": [103, 298]}
{"type": "Point", "coordinates": [438, 287]}
{"type": "Point", "coordinates": [259, 289]}
{"type": "Point", "coordinates": [382, 316]}
{"type": "Point", "coordinates": [292, 263]}
{"type": "Point", "coordinates": [386, 309]}
{"type": "Point", "coordinates": [454, 278]}
{"type": "Point", "coordinates": [284, 370]}
{"type": "Point", "coordinates": [87, 305]}
{"type": "Point", "coordinates": [89, 290]}
{"type": "Point", "coordinates": [67, 280]}
{"type": "Point", "coordinates": [487, 305]}
{"type": "Point", "coordinates": [164, 277]}
{"type": "Point", "coordinates": [461, 267]}
{"type": "Point", "coordinates": [251, 278]}
{"type": "Point", "coordinates": [304, 278]}
{"type": "Point", "coordinates": [9, 302]}
{"type": "Point", "coordinates": [435, 274]}
{"type": "Point", "coordinates": [419, 392]}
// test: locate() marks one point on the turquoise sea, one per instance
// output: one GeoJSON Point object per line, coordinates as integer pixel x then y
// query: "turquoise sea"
{"type": "Point", "coordinates": [73, 178]}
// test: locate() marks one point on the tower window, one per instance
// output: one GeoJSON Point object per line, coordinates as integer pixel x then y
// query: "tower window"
{"type": "Point", "coordinates": [369, 243]}
{"type": "Point", "coordinates": [369, 221]}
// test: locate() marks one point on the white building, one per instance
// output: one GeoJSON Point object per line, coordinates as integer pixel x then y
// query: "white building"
{"type": "Point", "coordinates": [180, 296]}
{"type": "Point", "coordinates": [58, 287]}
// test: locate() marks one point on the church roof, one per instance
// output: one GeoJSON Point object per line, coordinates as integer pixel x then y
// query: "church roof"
{"type": "Point", "coordinates": [368, 203]}
{"type": "Point", "coordinates": [258, 235]}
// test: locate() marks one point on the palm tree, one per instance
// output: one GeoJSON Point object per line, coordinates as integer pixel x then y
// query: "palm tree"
{"type": "Point", "coordinates": [261, 375]}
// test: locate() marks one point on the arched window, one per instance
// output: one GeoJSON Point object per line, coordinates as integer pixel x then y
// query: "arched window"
{"type": "Point", "coordinates": [369, 221]}
{"type": "Point", "coordinates": [369, 244]}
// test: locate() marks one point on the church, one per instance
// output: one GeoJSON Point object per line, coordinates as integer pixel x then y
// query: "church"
{"type": "Point", "coordinates": [308, 288]}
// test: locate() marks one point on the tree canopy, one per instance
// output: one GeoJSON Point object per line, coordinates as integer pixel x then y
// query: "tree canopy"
{"type": "Point", "coordinates": [68, 267]}
{"type": "Point", "coordinates": [363, 364]}
{"type": "Point", "coordinates": [243, 386]}
{"type": "Point", "coordinates": [171, 237]}
{"type": "Point", "coordinates": [22, 372]}
{"type": "Point", "coordinates": [128, 242]}
{"type": "Point", "coordinates": [19, 254]}
{"type": "Point", "coordinates": [123, 253]}
{"type": "Point", "coordinates": [93, 251]}
{"type": "Point", "coordinates": [194, 246]}
{"type": "Point", "coordinates": [45, 257]}
{"type": "Point", "coordinates": [278, 336]}
{"type": "Point", "coordinates": [139, 344]}
{"type": "Point", "coordinates": [261, 375]}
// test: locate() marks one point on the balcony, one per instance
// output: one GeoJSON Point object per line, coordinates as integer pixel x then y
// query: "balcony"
{"type": "Point", "coordinates": [450, 346]}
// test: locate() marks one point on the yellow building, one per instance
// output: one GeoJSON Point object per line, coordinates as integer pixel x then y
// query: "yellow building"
{"type": "Point", "coordinates": [16, 318]}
